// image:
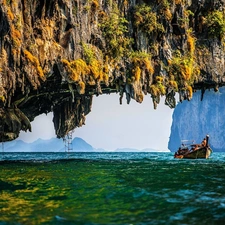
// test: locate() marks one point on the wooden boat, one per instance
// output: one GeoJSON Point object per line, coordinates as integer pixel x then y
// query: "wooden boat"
{"type": "Point", "coordinates": [194, 151]}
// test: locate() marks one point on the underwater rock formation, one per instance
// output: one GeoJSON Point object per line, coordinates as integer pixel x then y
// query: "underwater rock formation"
{"type": "Point", "coordinates": [195, 119]}
{"type": "Point", "coordinates": [56, 54]}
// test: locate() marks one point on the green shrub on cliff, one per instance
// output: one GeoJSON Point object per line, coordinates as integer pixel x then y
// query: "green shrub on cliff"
{"type": "Point", "coordinates": [146, 19]}
{"type": "Point", "coordinates": [215, 22]}
{"type": "Point", "coordinates": [88, 70]}
{"type": "Point", "coordinates": [88, 53]}
{"type": "Point", "coordinates": [114, 29]}
{"type": "Point", "coordinates": [164, 9]}
{"type": "Point", "coordinates": [157, 88]}
{"type": "Point", "coordinates": [93, 58]}
{"type": "Point", "coordinates": [182, 69]}
{"type": "Point", "coordinates": [140, 61]}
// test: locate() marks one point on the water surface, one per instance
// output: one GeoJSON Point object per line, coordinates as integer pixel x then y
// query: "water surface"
{"type": "Point", "coordinates": [111, 188]}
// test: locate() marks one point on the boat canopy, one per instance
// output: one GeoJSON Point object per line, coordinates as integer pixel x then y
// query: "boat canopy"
{"type": "Point", "coordinates": [187, 143]}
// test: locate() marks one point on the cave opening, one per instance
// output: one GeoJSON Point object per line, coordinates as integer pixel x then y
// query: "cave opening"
{"type": "Point", "coordinates": [110, 125]}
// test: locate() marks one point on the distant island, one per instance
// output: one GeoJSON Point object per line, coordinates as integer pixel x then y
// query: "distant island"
{"type": "Point", "coordinates": [58, 145]}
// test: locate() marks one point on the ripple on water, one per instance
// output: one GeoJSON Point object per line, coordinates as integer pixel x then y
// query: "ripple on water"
{"type": "Point", "coordinates": [185, 194]}
{"type": "Point", "coordinates": [140, 192]}
{"type": "Point", "coordinates": [182, 213]}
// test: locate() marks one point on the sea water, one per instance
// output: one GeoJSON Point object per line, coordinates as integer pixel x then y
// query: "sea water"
{"type": "Point", "coordinates": [111, 188]}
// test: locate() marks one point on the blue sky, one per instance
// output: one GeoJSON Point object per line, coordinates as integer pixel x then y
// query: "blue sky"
{"type": "Point", "coordinates": [110, 125]}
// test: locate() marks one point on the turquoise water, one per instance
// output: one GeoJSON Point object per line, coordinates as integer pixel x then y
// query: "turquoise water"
{"type": "Point", "coordinates": [111, 188]}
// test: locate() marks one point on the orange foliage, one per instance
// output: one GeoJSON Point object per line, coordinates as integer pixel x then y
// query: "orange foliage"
{"type": "Point", "coordinates": [178, 2]}
{"type": "Point", "coordinates": [35, 62]}
{"type": "Point", "coordinates": [154, 90]}
{"type": "Point", "coordinates": [173, 84]}
{"type": "Point", "coordinates": [102, 15]}
{"type": "Point", "coordinates": [95, 4]}
{"type": "Point", "coordinates": [65, 62]}
{"type": "Point", "coordinates": [15, 33]}
{"type": "Point", "coordinates": [16, 36]}
{"type": "Point", "coordinates": [169, 61]}
{"type": "Point", "coordinates": [159, 79]}
{"type": "Point", "coordinates": [190, 91]}
{"type": "Point", "coordinates": [81, 88]}
{"type": "Point", "coordinates": [137, 73]}
{"type": "Point", "coordinates": [191, 43]}
{"type": "Point", "coordinates": [148, 65]}
{"type": "Point", "coordinates": [76, 69]}
{"type": "Point", "coordinates": [96, 69]}
{"type": "Point", "coordinates": [125, 2]}
{"type": "Point", "coordinates": [10, 14]}
{"type": "Point", "coordinates": [186, 72]}
{"type": "Point", "coordinates": [168, 14]}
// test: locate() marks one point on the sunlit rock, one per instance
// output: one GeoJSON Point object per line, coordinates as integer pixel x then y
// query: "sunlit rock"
{"type": "Point", "coordinates": [195, 119]}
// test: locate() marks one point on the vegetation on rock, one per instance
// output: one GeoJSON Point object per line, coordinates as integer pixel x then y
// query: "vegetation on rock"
{"type": "Point", "coordinates": [146, 19]}
{"type": "Point", "coordinates": [115, 31]}
{"type": "Point", "coordinates": [55, 55]}
{"type": "Point", "coordinates": [216, 24]}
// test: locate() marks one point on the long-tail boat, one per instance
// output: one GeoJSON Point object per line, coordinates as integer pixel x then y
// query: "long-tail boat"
{"type": "Point", "coordinates": [194, 151]}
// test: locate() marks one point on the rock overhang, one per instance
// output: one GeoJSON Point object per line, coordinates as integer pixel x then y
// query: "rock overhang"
{"type": "Point", "coordinates": [55, 55]}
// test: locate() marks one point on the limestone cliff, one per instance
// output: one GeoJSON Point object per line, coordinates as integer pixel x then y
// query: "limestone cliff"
{"type": "Point", "coordinates": [56, 54]}
{"type": "Point", "coordinates": [195, 119]}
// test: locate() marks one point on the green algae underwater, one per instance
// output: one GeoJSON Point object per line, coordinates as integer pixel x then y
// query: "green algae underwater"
{"type": "Point", "coordinates": [111, 188]}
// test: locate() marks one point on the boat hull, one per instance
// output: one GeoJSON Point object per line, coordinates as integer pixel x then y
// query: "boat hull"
{"type": "Point", "coordinates": [201, 153]}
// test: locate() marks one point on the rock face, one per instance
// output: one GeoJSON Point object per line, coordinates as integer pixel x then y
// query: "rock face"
{"type": "Point", "coordinates": [56, 54]}
{"type": "Point", "coordinates": [195, 119]}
